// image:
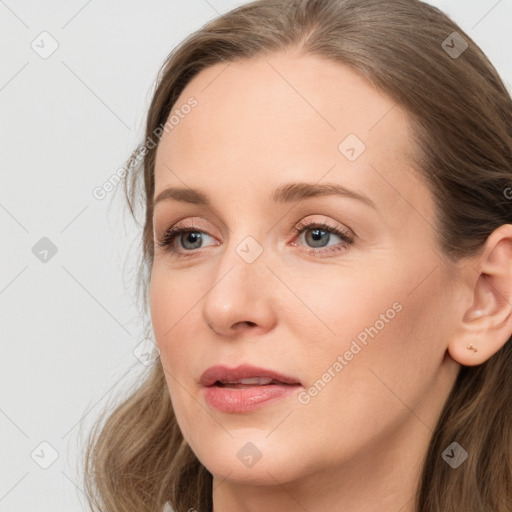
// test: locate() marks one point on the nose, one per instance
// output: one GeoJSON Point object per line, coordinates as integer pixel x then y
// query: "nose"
{"type": "Point", "coordinates": [241, 298]}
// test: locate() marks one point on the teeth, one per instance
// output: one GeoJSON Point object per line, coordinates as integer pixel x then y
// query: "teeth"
{"type": "Point", "coordinates": [259, 381]}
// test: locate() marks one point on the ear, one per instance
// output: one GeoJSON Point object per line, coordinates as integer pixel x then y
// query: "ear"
{"type": "Point", "coordinates": [486, 325]}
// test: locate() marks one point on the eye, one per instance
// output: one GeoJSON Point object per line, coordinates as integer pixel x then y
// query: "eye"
{"type": "Point", "coordinates": [318, 234]}
{"type": "Point", "coordinates": [191, 238]}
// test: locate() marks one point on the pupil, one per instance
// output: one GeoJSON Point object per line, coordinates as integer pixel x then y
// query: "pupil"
{"type": "Point", "coordinates": [194, 238]}
{"type": "Point", "coordinates": [317, 235]}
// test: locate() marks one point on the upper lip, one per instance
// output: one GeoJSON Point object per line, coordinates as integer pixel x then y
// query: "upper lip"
{"type": "Point", "coordinates": [231, 375]}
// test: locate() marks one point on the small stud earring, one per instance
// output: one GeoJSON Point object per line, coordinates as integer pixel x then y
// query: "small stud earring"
{"type": "Point", "coordinates": [471, 347]}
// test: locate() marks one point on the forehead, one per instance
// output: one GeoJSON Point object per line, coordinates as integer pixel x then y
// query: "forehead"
{"type": "Point", "coordinates": [288, 117]}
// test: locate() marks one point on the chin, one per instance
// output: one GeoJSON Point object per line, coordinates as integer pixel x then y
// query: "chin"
{"type": "Point", "coordinates": [251, 459]}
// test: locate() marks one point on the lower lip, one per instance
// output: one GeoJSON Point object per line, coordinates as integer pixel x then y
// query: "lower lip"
{"type": "Point", "coordinates": [227, 399]}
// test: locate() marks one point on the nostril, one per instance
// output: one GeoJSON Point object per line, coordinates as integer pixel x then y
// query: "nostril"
{"type": "Point", "coordinates": [247, 323]}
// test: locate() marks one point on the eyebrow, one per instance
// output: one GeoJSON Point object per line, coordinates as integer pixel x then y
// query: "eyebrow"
{"type": "Point", "coordinates": [286, 193]}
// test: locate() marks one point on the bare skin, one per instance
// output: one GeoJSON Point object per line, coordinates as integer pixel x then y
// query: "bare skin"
{"type": "Point", "coordinates": [357, 445]}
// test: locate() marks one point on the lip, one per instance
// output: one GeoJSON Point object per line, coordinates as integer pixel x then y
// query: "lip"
{"type": "Point", "coordinates": [244, 371]}
{"type": "Point", "coordinates": [238, 400]}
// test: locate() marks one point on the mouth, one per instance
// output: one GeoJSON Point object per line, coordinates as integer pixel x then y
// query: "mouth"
{"type": "Point", "coordinates": [250, 383]}
{"type": "Point", "coordinates": [244, 376]}
{"type": "Point", "coordinates": [245, 388]}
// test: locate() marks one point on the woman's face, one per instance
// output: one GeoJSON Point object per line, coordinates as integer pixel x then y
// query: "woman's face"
{"type": "Point", "coordinates": [358, 321]}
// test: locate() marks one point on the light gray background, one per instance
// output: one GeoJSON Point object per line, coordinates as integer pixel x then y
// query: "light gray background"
{"type": "Point", "coordinates": [69, 326]}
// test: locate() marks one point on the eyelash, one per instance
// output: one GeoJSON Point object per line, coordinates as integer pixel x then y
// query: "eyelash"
{"type": "Point", "coordinates": [167, 239]}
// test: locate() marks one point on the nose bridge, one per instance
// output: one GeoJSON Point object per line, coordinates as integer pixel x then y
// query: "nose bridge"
{"type": "Point", "coordinates": [244, 249]}
{"type": "Point", "coordinates": [242, 269]}
{"type": "Point", "coordinates": [240, 291]}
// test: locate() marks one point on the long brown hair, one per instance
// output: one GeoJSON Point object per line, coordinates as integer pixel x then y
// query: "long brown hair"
{"type": "Point", "coordinates": [461, 115]}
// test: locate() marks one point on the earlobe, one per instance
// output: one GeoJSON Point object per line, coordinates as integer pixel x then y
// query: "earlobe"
{"type": "Point", "coordinates": [487, 324]}
{"type": "Point", "coordinates": [472, 354]}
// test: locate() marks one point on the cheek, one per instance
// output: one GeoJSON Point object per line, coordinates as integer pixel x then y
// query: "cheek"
{"type": "Point", "coordinates": [173, 326]}
{"type": "Point", "coordinates": [379, 319]}
{"type": "Point", "coordinates": [386, 354]}
{"type": "Point", "coordinates": [341, 311]}
{"type": "Point", "coordinates": [171, 311]}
